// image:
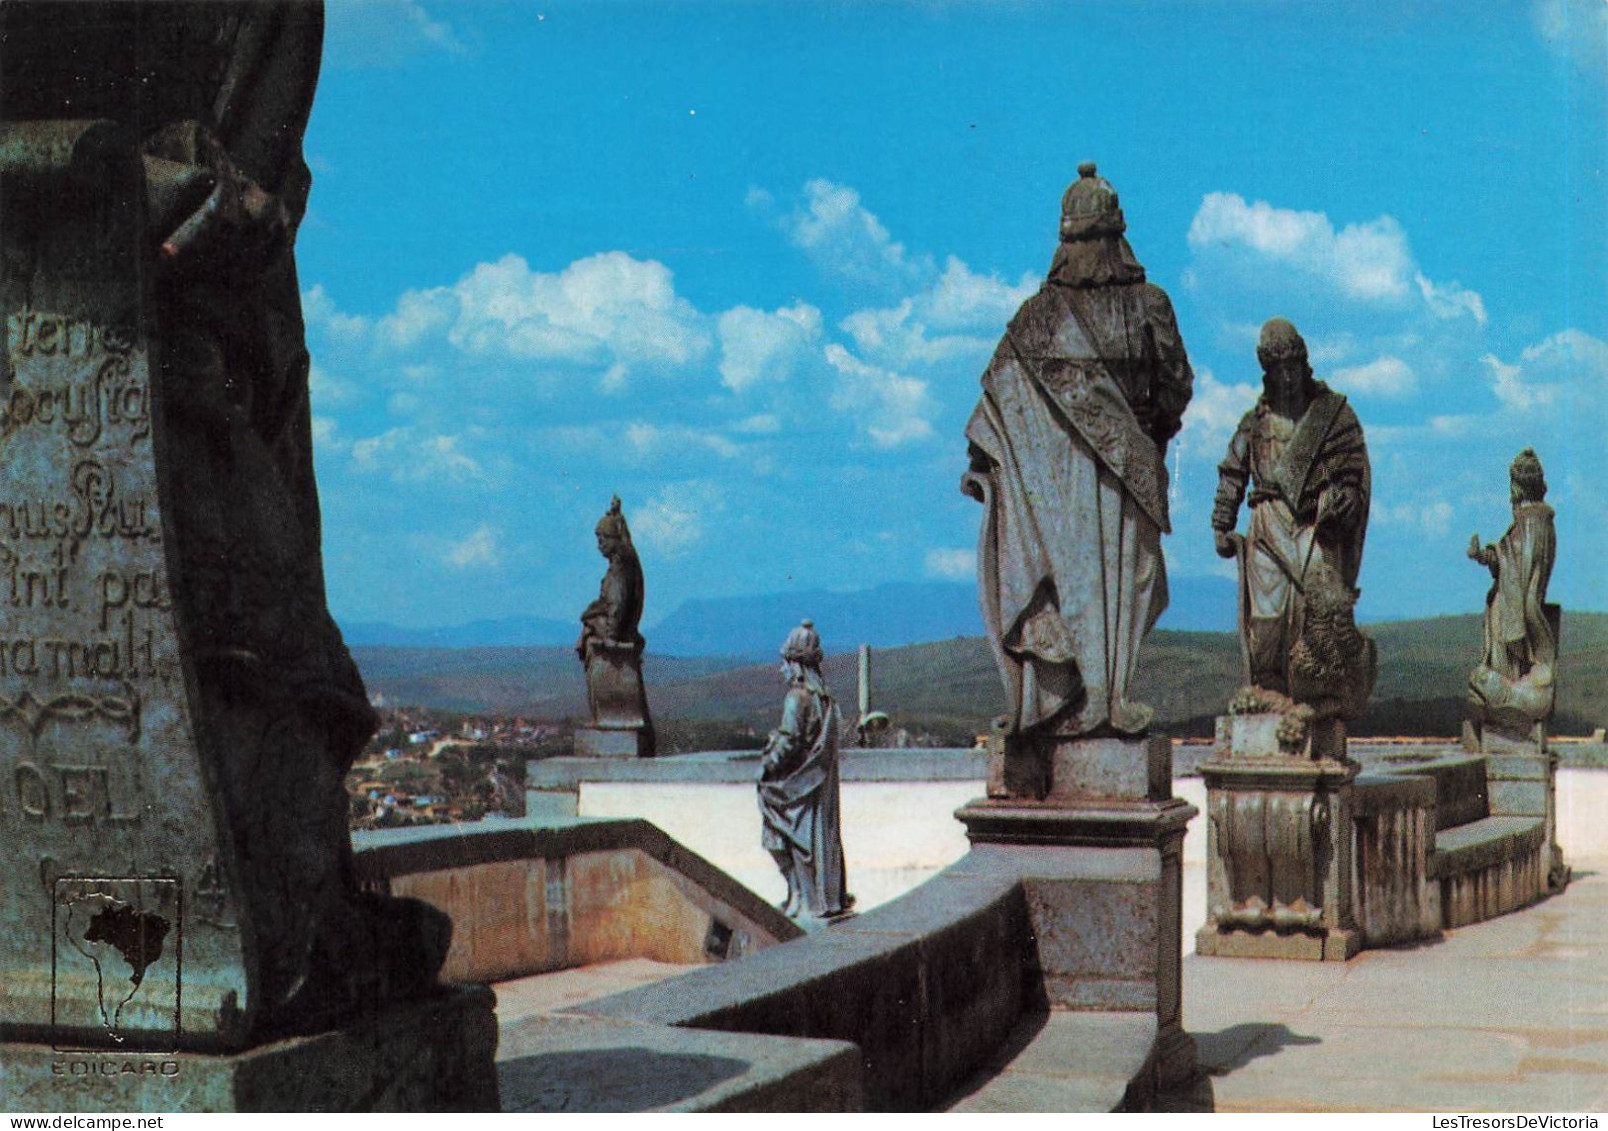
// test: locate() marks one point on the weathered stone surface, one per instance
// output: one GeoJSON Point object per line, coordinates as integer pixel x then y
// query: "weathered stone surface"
{"type": "Point", "coordinates": [1301, 453]}
{"type": "Point", "coordinates": [610, 648]}
{"type": "Point", "coordinates": [432, 1055]}
{"type": "Point", "coordinates": [177, 709]}
{"type": "Point", "coordinates": [1514, 685]}
{"type": "Point", "coordinates": [1067, 449]}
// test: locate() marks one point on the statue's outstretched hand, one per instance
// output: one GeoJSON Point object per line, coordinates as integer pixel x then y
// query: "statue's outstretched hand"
{"type": "Point", "coordinates": [1228, 543]}
{"type": "Point", "coordinates": [1474, 547]}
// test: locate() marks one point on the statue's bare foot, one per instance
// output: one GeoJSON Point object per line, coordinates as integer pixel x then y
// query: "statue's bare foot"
{"type": "Point", "coordinates": [1131, 718]}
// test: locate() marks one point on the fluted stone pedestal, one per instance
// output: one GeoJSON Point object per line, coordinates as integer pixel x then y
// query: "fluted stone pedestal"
{"type": "Point", "coordinates": [1278, 851]}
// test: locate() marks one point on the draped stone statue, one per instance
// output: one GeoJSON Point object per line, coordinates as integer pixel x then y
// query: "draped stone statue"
{"type": "Point", "coordinates": [1067, 453]}
{"type": "Point", "coordinates": [1513, 686]}
{"type": "Point", "coordinates": [610, 646]}
{"type": "Point", "coordinates": [1301, 453]}
{"type": "Point", "coordinates": [798, 786]}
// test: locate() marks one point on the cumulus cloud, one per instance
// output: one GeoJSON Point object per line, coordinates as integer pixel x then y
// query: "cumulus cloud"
{"type": "Point", "coordinates": [756, 346]}
{"type": "Point", "coordinates": [479, 550]}
{"type": "Point", "coordinates": [1365, 261]}
{"type": "Point", "coordinates": [412, 458]}
{"type": "Point", "coordinates": [671, 523]}
{"type": "Point", "coordinates": [922, 329]}
{"type": "Point", "coordinates": [963, 299]}
{"type": "Point", "coordinates": [1382, 377]}
{"type": "Point", "coordinates": [844, 238]}
{"type": "Point", "coordinates": [320, 310]}
{"type": "Point", "coordinates": [327, 391]}
{"type": "Point", "coordinates": [952, 564]}
{"type": "Point", "coordinates": [892, 409]}
{"type": "Point", "coordinates": [1570, 361]}
{"type": "Point", "coordinates": [1369, 262]}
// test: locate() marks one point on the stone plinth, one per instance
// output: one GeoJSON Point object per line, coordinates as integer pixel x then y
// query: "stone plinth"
{"type": "Point", "coordinates": [433, 1055]}
{"type": "Point", "coordinates": [621, 727]}
{"type": "Point", "coordinates": [1521, 774]}
{"type": "Point", "coordinates": [1107, 917]}
{"type": "Point", "coordinates": [1279, 842]}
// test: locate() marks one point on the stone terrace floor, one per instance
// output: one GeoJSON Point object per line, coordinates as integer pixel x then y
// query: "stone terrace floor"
{"type": "Point", "coordinates": [1509, 1015]}
{"type": "Point", "coordinates": [1505, 1016]}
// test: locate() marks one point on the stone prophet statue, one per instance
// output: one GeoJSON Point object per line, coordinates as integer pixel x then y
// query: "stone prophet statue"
{"type": "Point", "coordinates": [1302, 455]}
{"type": "Point", "coordinates": [1513, 685]}
{"type": "Point", "coordinates": [269, 711]}
{"type": "Point", "coordinates": [610, 646]}
{"type": "Point", "coordinates": [1067, 451]}
{"type": "Point", "coordinates": [798, 786]}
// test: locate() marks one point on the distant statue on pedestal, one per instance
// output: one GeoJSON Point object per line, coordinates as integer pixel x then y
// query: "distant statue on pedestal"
{"type": "Point", "coordinates": [1301, 453]}
{"type": "Point", "coordinates": [1513, 686]}
{"type": "Point", "coordinates": [798, 786]}
{"type": "Point", "coordinates": [1067, 453]}
{"type": "Point", "coordinates": [610, 647]}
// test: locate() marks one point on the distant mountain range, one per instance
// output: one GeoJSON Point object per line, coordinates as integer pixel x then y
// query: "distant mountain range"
{"type": "Point", "coordinates": [753, 628]}
{"type": "Point", "coordinates": [952, 685]}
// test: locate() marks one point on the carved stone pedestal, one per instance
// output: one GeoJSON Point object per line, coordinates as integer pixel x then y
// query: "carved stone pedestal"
{"type": "Point", "coordinates": [1104, 879]}
{"type": "Point", "coordinates": [432, 1055]}
{"type": "Point", "coordinates": [1279, 842]}
{"type": "Point", "coordinates": [620, 726]}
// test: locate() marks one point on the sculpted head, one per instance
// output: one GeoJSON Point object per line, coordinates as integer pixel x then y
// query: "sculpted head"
{"type": "Point", "coordinates": [1529, 482]}
{"type": "Point", "coordinates": [613, 536]}
{"type": "Point", "coordinates": [1090, 210]}
{"type": "Point", "coordinates": [801, 652]}
{"type": "Point", "coordinates": [1286, 376]}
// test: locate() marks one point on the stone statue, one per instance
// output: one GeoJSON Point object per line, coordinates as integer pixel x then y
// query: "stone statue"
{"type": "Point", "coordinates": [1301, 452]}
{"type": "Point", "coordinates": [610, 647]}
{"type": "Point", "coordinates": [154, 181]}
{"type": "Point", "coordinates": [798, 786]}
{"type": "Point", "coordinates": [1513, 686]}
{"type": "Point", "coordinates": [1067, 453]}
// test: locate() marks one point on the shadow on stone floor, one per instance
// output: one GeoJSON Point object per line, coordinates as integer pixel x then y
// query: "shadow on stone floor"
{"type": "Point", "coordinates": [1230, 1049]}
{"type": "Point", "coordinates": [609, 1079]}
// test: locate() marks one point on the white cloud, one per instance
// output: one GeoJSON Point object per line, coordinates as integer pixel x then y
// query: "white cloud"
{"type": "Point", "coordinates": [1383, 377]}
{"type": "Point", "coordinates": [962, 299]}
{"type": "Point", "coordinates": [952, 564]}
{"type": "Point", "coordinates": [1577, 29]}
{"type": "Point", "coordinates": [1428, 518]}
{"type": "Point", "coordinates": [671, 523]}
{"type": "Point", "coordinates": [764, 424]}
{"type": "Point", "coordinates": [1451, 300]}
{"type": "Point", "coordinates": [1214, 413]}
{"type": "Point", "coordinates": [756, 346]}
{"type": "Point", "coordinates": [319, 310]}
{"type": "Point", "coordinates": [609, 307]}
{"type": "Point", "coordinates": [904, 335]}
{"type": "Point", "coordinates": [326, 391]}
{"type": "Point", "coordinates": [647, 439]}
{"type": "Point", "coordinates": [479, 549]}
{"type": "Point", "coordinates": [410, 458]}
{"type": "Point", "coordinates": [891, 408]}
{"type": "Point", "coordinates": [1368, 261]}
{"type": "Point", "coordinates": [833, 228]}
{"type": "Point", "coordinates": [1569, 364]}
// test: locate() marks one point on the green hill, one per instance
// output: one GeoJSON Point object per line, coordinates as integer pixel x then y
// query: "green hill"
{"type": "Point", "coordinates": [951, 688]}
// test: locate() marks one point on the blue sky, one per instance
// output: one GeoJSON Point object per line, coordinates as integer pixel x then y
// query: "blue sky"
{"type": "Point", "coordinates": [744, 263]}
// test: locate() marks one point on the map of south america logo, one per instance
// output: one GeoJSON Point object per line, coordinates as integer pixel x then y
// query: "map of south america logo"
{"type": "Point", "coordinates": [117, 960]}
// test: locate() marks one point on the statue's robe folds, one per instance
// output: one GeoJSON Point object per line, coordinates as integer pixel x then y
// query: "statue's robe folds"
{"type": "Point", "coordinates": [799, 800]}
{"type": "Point", "coordinates": [1291, 469]}
{"type": "Point", "coordinates": [1516, 671]}
{"type": "Point", "coordinates": [617, 612]}
{"type": "Point", "coordinates": [1078, 403]}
